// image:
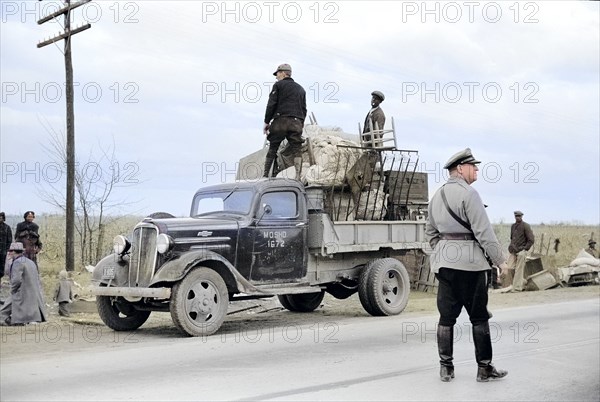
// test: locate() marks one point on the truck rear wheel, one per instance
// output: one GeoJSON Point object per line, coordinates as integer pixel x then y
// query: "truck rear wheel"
{"type": "Point", "coordinates": [384, 287]}
{"type": "Point", "coordinates": [199, 302]}
{"type": "Point", "coordinates": [119, 314]}
{"type": "Point", "coordinates": [303, 302]}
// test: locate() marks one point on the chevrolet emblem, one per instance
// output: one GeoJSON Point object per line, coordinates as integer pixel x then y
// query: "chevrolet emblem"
{"type": "Point", "coordinates": [204, 233]}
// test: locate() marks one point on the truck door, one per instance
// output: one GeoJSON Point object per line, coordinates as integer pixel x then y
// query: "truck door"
{"type": "Point", "coordinates": [279, 249]}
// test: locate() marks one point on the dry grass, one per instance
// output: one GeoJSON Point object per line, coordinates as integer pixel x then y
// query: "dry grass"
{"type": "Point", "coordinates": [573, 238]}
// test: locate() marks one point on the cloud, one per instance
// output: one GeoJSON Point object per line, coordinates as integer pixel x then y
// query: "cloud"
{"type": "Point", "coordinates": [182, 86]}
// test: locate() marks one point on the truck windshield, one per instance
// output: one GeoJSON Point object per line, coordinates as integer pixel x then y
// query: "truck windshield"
{"type": "Point", "coordinates": [228, 201]}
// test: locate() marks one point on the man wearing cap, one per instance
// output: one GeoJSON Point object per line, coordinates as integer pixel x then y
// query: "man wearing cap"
{"type": "Point", "coordinates": [521, 240]}
{"type": "Point", "coordinates": [284, 119]}
{"type": "Point", "coordinates": [460, 233]}
{"type": "Point", "coordinates": [592, 248]}
{"type": "Point", "coordinates": [25, 303]}
{"type": "Point", "coordinates": [375, 119]}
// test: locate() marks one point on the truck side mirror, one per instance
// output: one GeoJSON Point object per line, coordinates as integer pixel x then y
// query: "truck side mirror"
{"type": "Point", "coordinates": [266, 210]}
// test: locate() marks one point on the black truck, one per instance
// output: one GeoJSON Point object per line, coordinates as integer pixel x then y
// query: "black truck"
{"type": "Point", "coordinates": [254, 239]}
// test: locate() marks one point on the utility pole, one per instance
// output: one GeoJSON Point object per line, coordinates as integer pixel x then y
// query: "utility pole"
{"type": "Point", "coordinates": [70, 198]}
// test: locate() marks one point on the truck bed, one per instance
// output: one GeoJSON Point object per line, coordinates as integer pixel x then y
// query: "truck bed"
{"type": "Point", "coordinates": [327, 237]}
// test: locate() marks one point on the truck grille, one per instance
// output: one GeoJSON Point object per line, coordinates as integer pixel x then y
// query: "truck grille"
{"type": "Point", "coordinates": [143, 255]}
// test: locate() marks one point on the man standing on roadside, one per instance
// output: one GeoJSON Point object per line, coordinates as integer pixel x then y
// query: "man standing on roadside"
{"type": "Point", "coordinates": [521, 240]}
{"type": "Point", "coordinates": [591, 250]}
{"type": "Point", "coordinates": [25, 304]}
{"type": "Point", "coordinates": [284, 119]}
{"type": "Point", "coordinates": [5, 240]}
{"type": "Point", "coordinates": [461, 235]}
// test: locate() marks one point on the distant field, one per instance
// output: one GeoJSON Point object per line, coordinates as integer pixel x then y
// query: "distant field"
{"type": "Point", "coordinates": [573, 238]}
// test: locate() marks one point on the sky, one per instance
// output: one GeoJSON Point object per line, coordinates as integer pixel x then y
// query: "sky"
{"type": "Point", "coordinates": [169, 95]}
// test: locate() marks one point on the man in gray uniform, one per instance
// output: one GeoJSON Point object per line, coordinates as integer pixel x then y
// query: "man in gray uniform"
{"type": "Point", "coordinates": [462, 239]}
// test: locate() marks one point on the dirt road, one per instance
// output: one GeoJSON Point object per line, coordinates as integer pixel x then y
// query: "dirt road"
{"type": "Point", "coordinates": [85, 330]}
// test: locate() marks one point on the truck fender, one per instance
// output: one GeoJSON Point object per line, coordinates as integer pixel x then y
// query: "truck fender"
{"type": "Point", "coordinates": [120, 268]}
{"type": "Point", "coordinates": [176, 270]}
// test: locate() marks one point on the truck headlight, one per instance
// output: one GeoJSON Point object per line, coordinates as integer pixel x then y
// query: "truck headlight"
{"type": "Point", "coordinates": [163, 243]}
{"type": "Point", "coordinates": [121, 245]}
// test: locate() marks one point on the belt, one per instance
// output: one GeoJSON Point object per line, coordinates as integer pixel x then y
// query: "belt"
{"type": "Point", "coordinates": [457, 236]}
{"type": "Point", "coordinates": [289, 117]}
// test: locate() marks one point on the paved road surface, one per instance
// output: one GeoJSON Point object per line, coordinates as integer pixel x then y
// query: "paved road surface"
{"type": "Point", "coordinates": [551, 352]}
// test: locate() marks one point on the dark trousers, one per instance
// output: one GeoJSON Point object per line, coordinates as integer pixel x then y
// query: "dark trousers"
{"type": "Point", "coordinates": [458, 289]}
{"type": "Point", "coordinates": [63, 309]}
{"type": "Point", "coordinates": [283, 128]}
{"type": "Point", "coordinates": [2, 263]}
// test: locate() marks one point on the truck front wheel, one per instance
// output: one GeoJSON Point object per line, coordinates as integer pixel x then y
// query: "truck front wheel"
{"type": "Point", "coordinates": [303, 302]}
{"type": "Point", "coordinates": [119, 314]}
{"type": "Point", "coordinates": [384, 287]}
{"type": "Point", "coordinates": [199, 302]}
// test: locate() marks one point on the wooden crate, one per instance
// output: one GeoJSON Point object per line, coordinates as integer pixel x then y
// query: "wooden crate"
{"type": "Point", "coordinates": [403, 186]}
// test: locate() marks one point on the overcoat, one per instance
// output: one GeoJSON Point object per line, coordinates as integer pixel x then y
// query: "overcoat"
{"type": "Point", "coordinates": [25, 303]}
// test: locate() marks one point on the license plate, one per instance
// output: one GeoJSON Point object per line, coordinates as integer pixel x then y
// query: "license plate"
{"type": "Point", "coordinates": [108, 273]}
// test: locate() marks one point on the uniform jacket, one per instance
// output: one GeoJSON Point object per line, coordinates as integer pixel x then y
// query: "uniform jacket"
{"type": "Point", "coordinates": [287, 98]}
{"type": "Point", "coordinates": [63, 292]}
{"type": "Point", "coordinates": [521, 237]}
{"type": "Point", "coordinates": [26, 302]}
{"type": "Point", "coordinates": [375, 116]}
{"type": "Point", "coordinates": [465, 255]}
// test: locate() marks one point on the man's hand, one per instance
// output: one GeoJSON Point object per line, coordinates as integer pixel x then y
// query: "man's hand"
{"type": "Point", "coordinates": [266, 128]}
{"type": "Point", "coordinates": [504, 268]}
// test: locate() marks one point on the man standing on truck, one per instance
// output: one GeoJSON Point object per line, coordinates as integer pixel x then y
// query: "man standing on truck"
{"type": "Point", "coordinates": [284, 119]}
{"type": "Point", "coordinates": [459, 231]}
{"type": "Point", "coordinates": [521, 240]}
{"type": "Point", "coordinates": [375, 119]}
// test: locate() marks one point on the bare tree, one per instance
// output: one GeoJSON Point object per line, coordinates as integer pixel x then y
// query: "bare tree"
{"type": "Point", "coordinates": [95, 182]}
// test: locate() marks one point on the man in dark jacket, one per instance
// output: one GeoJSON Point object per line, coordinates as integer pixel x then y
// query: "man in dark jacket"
{"type": "Point", "coordinates": [28, 233]}
{"type": "Point", "coordinates": [284, 119]}
{"type": "Point", "coordinates": [5, 240]}
{"type": "Point", "coordinates": [375, 119]}
{"type": "Point", "coordinates": [521, 240]}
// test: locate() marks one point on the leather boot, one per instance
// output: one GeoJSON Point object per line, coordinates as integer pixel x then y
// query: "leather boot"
{"type": "Point", "coordinates": [268, 162]}
{"type": "Point", "coordinates": [298, 167]}
{"type": "Point", "coordinates": [483, 354]}
{"type": "Point", "coordinates": [445, 340]}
